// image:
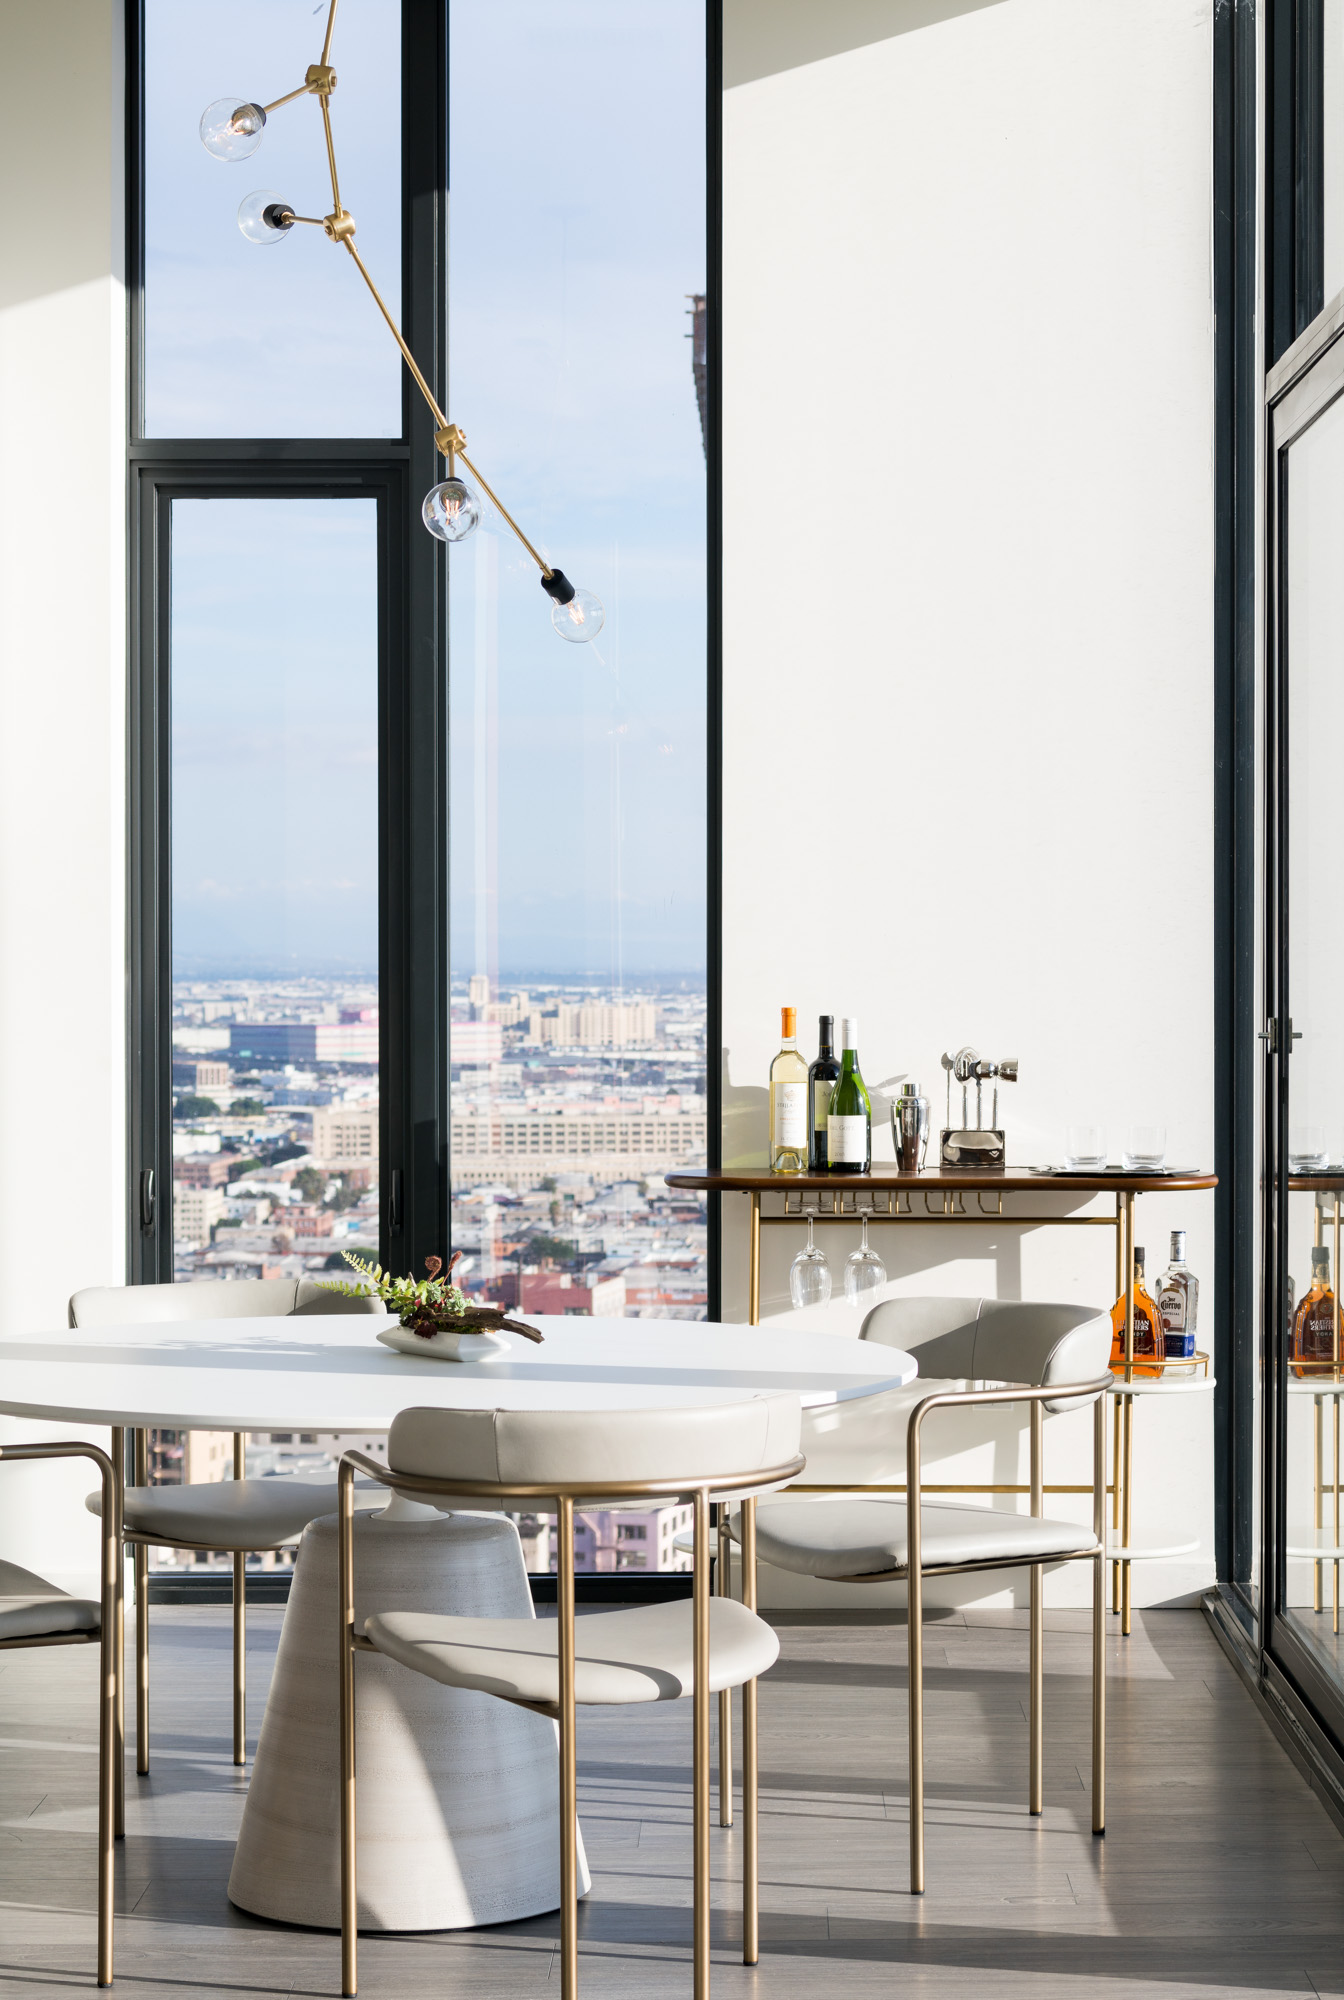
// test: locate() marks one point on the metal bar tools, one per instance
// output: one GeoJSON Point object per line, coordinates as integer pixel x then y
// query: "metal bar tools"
{"type": "Point", "coordinates": [977, 1145]}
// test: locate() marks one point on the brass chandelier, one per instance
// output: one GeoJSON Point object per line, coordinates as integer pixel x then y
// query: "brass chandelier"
{"type": "Point", "coordinates": [232, 129]}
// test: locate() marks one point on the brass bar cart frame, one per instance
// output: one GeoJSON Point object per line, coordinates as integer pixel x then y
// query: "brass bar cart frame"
{"type": "Point", "coordinates": [889, 1198]}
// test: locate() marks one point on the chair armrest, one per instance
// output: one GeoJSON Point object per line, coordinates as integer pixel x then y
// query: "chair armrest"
{"type": "Point", "coordinates": [111, 1519]}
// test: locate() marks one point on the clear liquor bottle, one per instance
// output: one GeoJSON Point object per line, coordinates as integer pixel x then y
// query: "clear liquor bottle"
{"type": "Point", "coordinates": [1148, 1337]}
{"type": "Point", "coordinates": [788, 1101]}
{"type": "Point", "coordinates": [1178, 1303]}
{"type": "Point", "coordinates": [821, 1080]}
{"type": "Point", "coordinates": [1312, 1348]}
{"type": "Point", "coordinates": [849, 1121]}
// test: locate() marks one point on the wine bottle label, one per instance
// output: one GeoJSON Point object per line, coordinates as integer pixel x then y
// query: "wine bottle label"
{"type": "Point", "coordinates": [821, 1103]}
{"type": "Point", "coordinates": [788, 1114]}
{"type": "Point", "coordinates": [847, 1139]}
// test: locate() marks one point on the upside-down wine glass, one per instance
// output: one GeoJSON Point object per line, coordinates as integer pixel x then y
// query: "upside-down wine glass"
{"type": "Point", "coordinates": [809, 1273]}
{"type": "Point", "coordinates": [865, 1273]}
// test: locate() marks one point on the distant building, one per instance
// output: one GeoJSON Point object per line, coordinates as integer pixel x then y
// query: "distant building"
{"type": "Point", "coordinates": [557, 1292]}
{"type": "Point", "coordinates": [605, 1542]}
{"type": "Point", "coordinates": [196, 1210]}
{"type": "Point", "coordinates": [594, 1025]}
{"type": "Point", "coordinates": [613, 1145]}
{"type": "Point", "coordinates": [278, 1042]}
{"type": "Point", "coordinates": [478, 995]}
{"type": "Point", "coordinates": [346, 1136]}
{"type": "Point", "coordinates": [205, 1170]}
{"type": "Point", "coordinates": [476, 1043]}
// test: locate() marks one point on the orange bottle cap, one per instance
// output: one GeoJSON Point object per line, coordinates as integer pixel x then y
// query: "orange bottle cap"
{"type": "Point", "coordinates": [788, 1022]}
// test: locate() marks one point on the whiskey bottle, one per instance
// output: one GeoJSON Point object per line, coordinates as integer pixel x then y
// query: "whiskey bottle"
{"type": "Point", "coordinates": [1148, 1335]}
{"type": "Point", "coordinates": [1178, 1303]}
{"type": "Point", "coordinates": [821, 1081]}
{"type": "Point", "coordinates": [788, 1101]}
{"type": "Point", "coordinates": [1311, 1348]}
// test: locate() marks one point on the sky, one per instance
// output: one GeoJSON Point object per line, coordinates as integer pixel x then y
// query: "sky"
{"type": "Point", "coordinates": [576, 169]}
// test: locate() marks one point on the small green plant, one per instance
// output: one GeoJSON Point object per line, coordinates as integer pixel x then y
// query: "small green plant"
{"type": "Point", "coordinates": [422, 1304]}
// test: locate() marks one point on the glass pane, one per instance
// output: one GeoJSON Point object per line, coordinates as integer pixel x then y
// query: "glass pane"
{"type": "Point", "coordinates": [278, 339]}
{"type": "Point", "coordinates": [578, 247]}
{"type": "Point", "coordinates": [1332, 144]}
{"type": "Point", "coordinates": [274, 907]}
{"type": "Point", "coordinates": [1316, 1068]}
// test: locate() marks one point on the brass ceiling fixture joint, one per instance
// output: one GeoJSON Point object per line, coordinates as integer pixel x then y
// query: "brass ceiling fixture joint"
{"type": "Point", "coordinates": [320, 78]}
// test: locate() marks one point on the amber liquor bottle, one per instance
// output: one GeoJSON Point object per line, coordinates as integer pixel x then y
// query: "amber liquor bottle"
{"type": "Point", "coordinates": [1311, 1348]}
{"type": "Point", "coordinates": [1149, 1336]}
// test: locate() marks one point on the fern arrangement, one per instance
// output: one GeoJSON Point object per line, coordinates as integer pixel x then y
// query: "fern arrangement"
{"type": "Point", "coordinates": [425, 1305]}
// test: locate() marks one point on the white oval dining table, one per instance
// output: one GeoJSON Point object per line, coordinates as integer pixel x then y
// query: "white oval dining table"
{"type": "Point", "coordinates": [328, 1373]}
{"type": "Point", "coordinates": [437, 1850]}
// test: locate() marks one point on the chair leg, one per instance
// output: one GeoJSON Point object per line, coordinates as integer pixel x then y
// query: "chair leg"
{"type": "Point", "coordinates": [726, 1694]}
{"type": "Point", "coordinates": [1099, 1695]}
{"type": "Point", "coordinates": [915, 1636]}
{"type": "Point", "coordinates": [141, 1660]}
{"type": "Point", "coordinates": [569, 1759]}
{"type": "Point", "coordinates": [751, 1922]}
{"type": "Point", "coordinates": [239, 1657]}
{"type": "Point", "coordinates": [346, 1592]}
{"type": "Point", "coordinates": [119, 1645]}
{"type": "Point", "coordinates": [109, 1686]}
{"type": "Point", "coordinates": [1036, 1786]}
{"type": "Point", "coordinates": [700, 1758]}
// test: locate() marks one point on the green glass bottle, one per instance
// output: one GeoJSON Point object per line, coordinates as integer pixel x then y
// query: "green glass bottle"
{"type": "Point", "coordinates": [849, 1122]}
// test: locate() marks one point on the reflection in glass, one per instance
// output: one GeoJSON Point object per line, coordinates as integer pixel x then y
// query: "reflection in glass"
{"type": "Point", "coordinates": [1315, 1069]}
{"type": "Point", "coordinates": [577, 150]}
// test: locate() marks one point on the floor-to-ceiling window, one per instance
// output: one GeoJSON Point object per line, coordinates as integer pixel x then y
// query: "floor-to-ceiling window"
{"type": "Point", "coordinates": [577, 363]}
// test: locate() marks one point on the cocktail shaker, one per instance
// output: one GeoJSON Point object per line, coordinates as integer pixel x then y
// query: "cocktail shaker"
{"type": "Point", "coordinates": [910, 1128]}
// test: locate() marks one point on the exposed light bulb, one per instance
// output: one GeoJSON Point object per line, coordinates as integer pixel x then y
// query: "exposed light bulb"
{"type": "Point", "coordinates": [264, 218]}
{"type": "Point", "coordinates": [580, 619]}
{"type": "Point", "coordinates": [231, 128]}
{"type": "Point", "coordinates": [451, 510]}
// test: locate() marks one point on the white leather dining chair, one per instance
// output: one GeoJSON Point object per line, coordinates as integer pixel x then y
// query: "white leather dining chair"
{"type": "Point", "coordinates": [551, 1462]}
{"type": "Point", "coordinates": [1056, 1357]}
{"type": "Point", "coordinates": [34, 1612]}
{"type": "Point", "coordinates": [223, 1517]}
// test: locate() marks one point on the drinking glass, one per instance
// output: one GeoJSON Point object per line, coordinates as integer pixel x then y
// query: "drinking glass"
{"type": "Point", "coordinates": [1085, 1146]}
{"type": "Point", "coordinates": [809, 1273]}
{"type": "Point", "coordinates": [1307, 1150]}
{"type": "Point", "coordinates": [1145, 1147]}
{"type": "Point", "coordinates": [865, 1273]}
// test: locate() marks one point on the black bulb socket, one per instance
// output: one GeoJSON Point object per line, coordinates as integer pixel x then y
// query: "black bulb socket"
{"type": "Point", "coordinates": [278, 215]}
{"type": "Point", "coordinates": [558, 586]}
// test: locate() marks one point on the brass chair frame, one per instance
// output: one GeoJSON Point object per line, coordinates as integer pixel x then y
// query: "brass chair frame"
{"type": "Point", "coordinates": [698, 1493]}
{"type": "Point", "coordinates": [108, 1639]}
{"type": "Point", "coordinates": [916, 1571]}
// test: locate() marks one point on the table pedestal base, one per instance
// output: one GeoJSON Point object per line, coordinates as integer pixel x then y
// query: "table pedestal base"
{"type": "Point", "coordinates": [458, 1793]}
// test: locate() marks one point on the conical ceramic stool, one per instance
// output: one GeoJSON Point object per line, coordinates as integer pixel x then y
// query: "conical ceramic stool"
{"type": "Point", "coordinates": [458, 1794]}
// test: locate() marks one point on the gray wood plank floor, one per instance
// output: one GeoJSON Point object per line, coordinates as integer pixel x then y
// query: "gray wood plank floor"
{"type": "Point", "coordinates": [1220, 1873]}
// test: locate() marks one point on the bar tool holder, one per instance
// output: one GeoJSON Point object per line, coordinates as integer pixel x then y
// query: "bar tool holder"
{"type": "Point", "coordinates": [978, 1145]}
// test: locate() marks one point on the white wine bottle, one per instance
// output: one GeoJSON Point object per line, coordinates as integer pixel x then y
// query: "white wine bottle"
{"type": "Point", "coordinates": [788, 1101]}
{"type": "Point", "coordinates": [849, 1123]}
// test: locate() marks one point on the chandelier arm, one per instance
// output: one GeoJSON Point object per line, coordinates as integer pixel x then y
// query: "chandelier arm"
{"type": "Point", "coordinates": [288, 98]}
{"type": "Point", "coordinates": [542, 565]}
{"type": "Point", "coordinates": [331, 23]}
{"type": "Point", "coordinates": [324, 100]}
{"type": "Point", "coordinates": [407, 356]}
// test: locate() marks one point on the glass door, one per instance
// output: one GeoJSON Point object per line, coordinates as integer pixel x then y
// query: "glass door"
{"type": "Point", "coordinates": [1304, 1098]}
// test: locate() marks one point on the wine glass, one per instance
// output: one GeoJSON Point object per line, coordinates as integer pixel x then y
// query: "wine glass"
{"type": "Point", "coordinates": [865, 1273]}
{"type": "Point", "coordinates": [809, 1273]}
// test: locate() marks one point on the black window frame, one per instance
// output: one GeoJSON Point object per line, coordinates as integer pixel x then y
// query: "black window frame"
{"type": "Point", "coordinates": [413, 691]}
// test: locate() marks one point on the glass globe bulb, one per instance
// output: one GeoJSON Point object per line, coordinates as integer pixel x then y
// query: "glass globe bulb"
{"type": "Point", "coordinates": [580, 619]}
{"type": "Point", "coordinates": [259, 217]}
{"type": "Point", "coordinates": [231, 128]}
{"type": "Point", "coordinates": [451, 510]}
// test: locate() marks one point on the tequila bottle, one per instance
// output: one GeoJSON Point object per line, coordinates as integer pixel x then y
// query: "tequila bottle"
{"type": "Point", "coordinates": [1178, 1303]}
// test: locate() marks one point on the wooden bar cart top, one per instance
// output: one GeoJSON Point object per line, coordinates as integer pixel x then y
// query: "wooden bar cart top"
{"type": "Point", "coordinates": [1006, 1180]}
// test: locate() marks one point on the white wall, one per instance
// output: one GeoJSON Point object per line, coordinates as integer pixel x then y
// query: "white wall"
{"type": "Point", "coordinates": [62, 753]}
{"type": "Point", "coordinates": [968, 548]}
